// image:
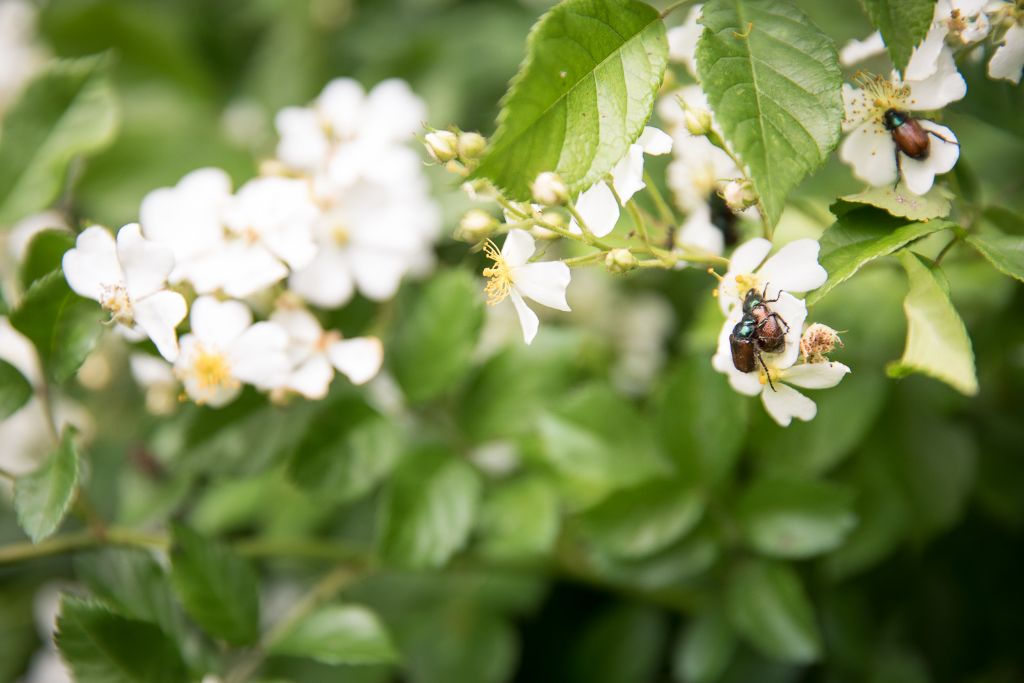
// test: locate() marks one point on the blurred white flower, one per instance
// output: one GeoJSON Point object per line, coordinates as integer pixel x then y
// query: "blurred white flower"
{"type": "Point", "coordinates": [794, 268]}
{"type": "Point", "coordinates": [953, 22]}
{"type": "Point", "coordinates": [189, 219]}
{"type": "Point", "coordinates": [315, 354]}
{"type": "Point", "coordinates": [128, 279]}
{"type": "Point", "coordinates": [513, 277]}
{"type": "Point", "coordinates": [772, 379]}
{"type": "Point", "coordinates": [369, 239]}
{"type": "Point", "coordinates": [682, 40]}
{"type": "Point", "coordinates": [870, 148]}
{"type": "Point", "coordinates": [47, 666]}
{"type": "Point", "coordinates": [857, 51]}
{"type": "Point", "coordinates": [597, 205]}
{"type": "Point", "coordinates": [157, 380]}
{"type": "Point", "coordinates": [225, 349]}
{"type": "Point", "coordinates": [20, 53]}
{"type": "Point", "coordinates": [1008, 60]}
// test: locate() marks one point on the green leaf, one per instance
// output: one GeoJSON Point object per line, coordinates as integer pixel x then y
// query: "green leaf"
{"type": "Point", "coordinates": [581, 97]}
{"type": "Point", "coordinates": [905, 204]}
{"type": "Point", "coordinates": [69, 110]}
{"type": "Point", "coordinates": [702, 430]}
{"type": "Point", "coordinates": [861, 235]}
{"type": "Point", "coordinates": [767, 605]}
{"type": "Point", "coordinates": [338, 634]}
{"type": "Point", "coordinates": [44, 254]}
{"type": "Point", "coordinates": [773, 81]}
{"type": "Point", "coordinates": [43, 497]}
{"type": "Point", "coordinates": [102, 647]}
{"type": "Point", "coordinates": [430, 509]}
{"type": "Point", "coordinates": [1004, 252]}
{"type": "Point", "coordinates": [645, 519]}
{"type": "Point", "coordinates": [796, 519]}
{"type": "Point", "coordinates": [937, 341]}
{"type": "Point", "coordinates": [434, 342]}
{"type": "Point", "coordinates": [130, 581]}
{"type": "Point", "coordinates": [15, 390]}
{"type": "Point", "coordinates": [519, 520]}
{"type": "Point", "coordinates": [704, 650]}
{"type": "Point", "coordinates": [346, 450]}
{"type": "Point", "coordinates": [902, 23]}
{"type": "Point", "coordinates": [216, 587]}
{"type": "Point", "coordinates": [61, 325]}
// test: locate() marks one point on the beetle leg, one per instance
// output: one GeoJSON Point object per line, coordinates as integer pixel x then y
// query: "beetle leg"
{"type": "Point", "coordinates": [764, 293]}
{"type": "Point", "coordinates": [899, 169]}
{"type": "Point", "coordinates": [933, 133]}
{"type": "Point", "coordinates": [767, 375]}
{"type": "Point", "coordinates": [779, 319]}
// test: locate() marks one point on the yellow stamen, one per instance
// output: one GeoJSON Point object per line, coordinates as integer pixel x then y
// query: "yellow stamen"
{"type": "Point", "coordinates": [340, 235]}
{"type": "Point", "coordinates": [745, 283]}
{"type": "Point", "coordinates": [882, 92]}
{"type": "Point", "coordinates": [114, 298]}
{"type": "Point", "coordinates": [210, 371]}
{"type": "Point", "coordinates": [499, 275]}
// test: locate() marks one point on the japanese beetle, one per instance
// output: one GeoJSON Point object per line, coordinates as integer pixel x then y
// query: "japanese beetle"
{"type": "Point", "coordinates": [770, 330]}
{"type": "Point", "coordinates": [746, 351]}
{"type": "Point", "coordinates": [910, 137]}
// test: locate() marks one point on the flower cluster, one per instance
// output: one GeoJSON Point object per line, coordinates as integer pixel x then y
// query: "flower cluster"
{"type": "Point", "coordinates": [793, 269]}
{"type": "Point", "coordinates": [343, 209]}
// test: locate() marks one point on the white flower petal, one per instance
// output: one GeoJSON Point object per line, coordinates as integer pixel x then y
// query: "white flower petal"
{"type": "Point", "coordinates": [187, 217]}
{"type": "Point", "coordinates": [924, 60]}
{"type": "Point", "coordinates": [301, 325]}
{"type": "Point", "coordinates": [794, 268]}
{"type": "Point", "coordinates": [218, 323]}
{"type": "Point", "coordinates": [942, 87]}
{"type": "Point", "coordinates": [749, 255]}
{"type": "Point", "coordinates": [145, 264]}
{"type": "Point", "coordinates": [518, 247]}
{"type": "Point", "coordinates": [856, 107]}
{"type": "Point", "coordinates": [628, 175]}
{"type": "Point", "coordinates": [341, 104]}
{"type": "Point", "coordinates": [544, 282]}
{"type": "Point", "coordinates": [871, 152]}
{"type": "Point", "coordinates": [682, 40]}
{"type": "Point", "coordinates": [313, 378]}
{"type": "Point", "coordinates": [698, 231]}
{"type": "Point", "coordinates": [378, 272]}
{"type": "Point", "coordinates": [248, 268]}
{"type": "Point", "coordinates": [598, 208]}
{"type": "Point", "coordinates": [158, 315]}
{"type": "Point", "coordinates": [654, 141]}
{"type": "Point", "coordinates": [327, 281]}
{"type": "Point", "coordinates": [816, 375]}
{"type": "Point", "coordinates": [359, 358]}
{"type": "Point", "coordinates": [785, 403]}
{"type": "Point", "coordinates": [258, 356]}
{"type": "Point", "coordinates": [303, 144]}
{"type": "Point", "coordinates": [1008, 60]}
{"type": "Point", "coordinates": [92, 263]}
{"type": "Point", "coordinates": [393, 111]}
{"type": "Point", "coordinates": [528, 320]}
{"type": "Point", "coordinates": [856, 51]}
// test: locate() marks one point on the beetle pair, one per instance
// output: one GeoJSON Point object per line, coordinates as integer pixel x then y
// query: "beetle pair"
{"type": "Point", "coordinates": [759, 330]}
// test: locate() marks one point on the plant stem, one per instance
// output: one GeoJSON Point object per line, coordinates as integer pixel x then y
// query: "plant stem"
{"type": "Point", "coordinates": [664, 210]}
{"type": "Point", "coordinates": [587, 260]}
{"type": "Point", "coordinates": [945, 249]}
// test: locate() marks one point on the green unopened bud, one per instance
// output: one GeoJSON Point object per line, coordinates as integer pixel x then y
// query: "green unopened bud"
{"type": "Point", "coordinates": [549, 190]}
{"type": "Point", "coordinates": [479, 189]}
{"type": "Point", "coordinates": [697, 120]}
{"type": "Point", "coordinates": [471, 146]}
{"type": "Point", "coordinates": [442, 145]}
{"type": "Point", "coordinates": [739, 195]}
{"type": "Point", "coordinates": [476, 226]}
{"type": "Point", "coordinates": [620, 261]}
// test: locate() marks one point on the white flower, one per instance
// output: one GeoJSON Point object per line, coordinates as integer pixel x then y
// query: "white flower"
{"type": "Point", "coordinates": [371, 237]}
{"type": "Point", "coordinates": [127, 278]}
{"type": "Point", "coordinates": [189, 219]}
{"type": "Point", "coordinates": [315, 354]}
{"type": "Point", "coordinates": [700, 231]}
{"type": "Point", "coordinates": [682, 40]}
{"type": "Point", "coordinates": [857, 51]}
{"type": "Point", "coordinates": [20, 54]}
{"type": "Point", "coordinates": [962, 21]}
{"type": "Point", "coordinates": [597, 205]}
{"type": "Point", "coordinates": [270, 221]}
{"type": "Point", "coordinates": [348, 134]}
{"type": "Point", "coordinates": [870, 149]}
{"type": "Point", "coordinates": [512, 276]}
{"type": "Point", "coordinates": [1008, 60]}
{"type": "Point", "coordinates": [156, 379]}
{"type": "Point", "coordinates": [794, 268]}
{"type": "Point", "coordinates": [781, 401]}
{"type": "Point", "coordinates": [225, 349]}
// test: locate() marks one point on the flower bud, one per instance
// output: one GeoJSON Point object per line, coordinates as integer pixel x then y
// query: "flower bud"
{"type": "Point", "coordinates": [471, 146]}
{"type": "Point", "coordinates": [818, 341]}
{"type": "Point", "coordinates": [442, 145]}
{"type": "Point", "coordinates": [739, 195]}
{"type": "Point", "coordinates": [620, 261]}
{"type": "Point", "coordinates": [549, 190]}
{"type": "Point", "coordinates": [476, 225]}
{"type": "Point", "coordinates": [697, 120]}
{"type": "Point", "coordinates": [480, 188]}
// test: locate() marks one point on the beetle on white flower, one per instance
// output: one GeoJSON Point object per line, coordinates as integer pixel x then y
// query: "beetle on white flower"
{"type": "Point", "coordinates": [315, 354]}
{"type": "Point", "coordinates": [514, 277]}
{"type": "Point", "coordinates": [775, 372]}
{"type": "Point", "coordinates": [794, 268]}
{"type": "Point", "coordinates": [597, 206]}
{"type": "Point", "coordinates": [225, 349]}
{"type": "Point", "coordinates": [880, 107]}
{"type": "Point", "coordinates": [128, 279]}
